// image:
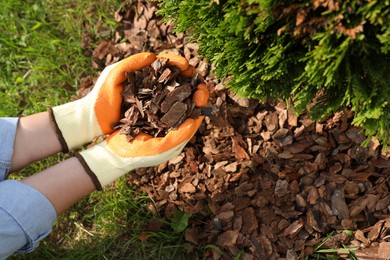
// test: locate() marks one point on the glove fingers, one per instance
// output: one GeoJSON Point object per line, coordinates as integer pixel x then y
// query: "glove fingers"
{"type": "Point", "coordinates": [186, 70]}
{"type": "Point", "coordinates": [133, 63]}
{"type": "Point", "coordinates": [189, 72]}
{"type": "Point", "coordinates": [109, 99]}
{"type": "Point", "coordinates": [175, 60]}
{"type": "Point", "coordinates": [201, 96]}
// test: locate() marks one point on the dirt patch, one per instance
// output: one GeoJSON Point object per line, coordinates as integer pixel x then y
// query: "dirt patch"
{"type": "Point", "coordinates": [262, 182]}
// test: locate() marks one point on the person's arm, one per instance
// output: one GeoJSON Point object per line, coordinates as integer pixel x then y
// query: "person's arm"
{"type": "Point", "coordinates": [63, 184]}
{"type": "Point", "coordinates": [29, 208]}
{"type": "Point", "coordinates": [35, 139]}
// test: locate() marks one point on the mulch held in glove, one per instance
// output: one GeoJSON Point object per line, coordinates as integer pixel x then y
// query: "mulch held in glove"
{"type": "Point", "coordinates": [156, 100]}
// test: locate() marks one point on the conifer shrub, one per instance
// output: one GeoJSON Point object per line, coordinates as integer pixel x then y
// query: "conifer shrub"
{"type": "Point", "coordinates": [330, 53]}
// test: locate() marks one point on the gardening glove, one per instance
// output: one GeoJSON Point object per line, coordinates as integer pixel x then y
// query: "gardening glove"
{"type": "Point", "coordinates": [80, 121]}
{"type": "Point", "coordinates": [116, 156]}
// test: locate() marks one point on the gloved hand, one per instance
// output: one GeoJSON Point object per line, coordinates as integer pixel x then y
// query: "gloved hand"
{"type": "Point", "coordinates": [114, 157]}
{"type": "Point", "coordinates": [79, 122]}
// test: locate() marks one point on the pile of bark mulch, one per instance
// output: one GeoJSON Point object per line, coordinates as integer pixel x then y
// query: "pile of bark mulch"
{"type": "Point", "coordinates": [257, 178]}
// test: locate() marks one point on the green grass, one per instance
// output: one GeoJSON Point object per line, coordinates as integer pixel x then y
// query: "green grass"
{"type": "Point", "coordinates": [40, 53]}
{"type": "Point", "coordinates": [41, 63]}
{"type": "Point", "coordinates": [333, 253]}
{"type": "Point", "coordinates": [40, 50]}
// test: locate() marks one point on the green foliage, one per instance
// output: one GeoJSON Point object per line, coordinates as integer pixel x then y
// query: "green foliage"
{"type": "Point", "coordinates": [334, 52]}
{"type": "Point", "coordinates": [180, 221]}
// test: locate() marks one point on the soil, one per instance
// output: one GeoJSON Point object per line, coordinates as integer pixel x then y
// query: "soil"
{"type": "Point", "coordinates": [260, 181]}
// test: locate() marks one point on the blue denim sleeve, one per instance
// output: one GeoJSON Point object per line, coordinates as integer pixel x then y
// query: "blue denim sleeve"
{"type": "Point", "coordinates": [7, 137]}
{"type": "Point", "coordinates": [26, 217]}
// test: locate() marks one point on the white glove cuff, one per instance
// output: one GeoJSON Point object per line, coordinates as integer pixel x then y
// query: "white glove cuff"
{"type": "Point", "coordinates": [75, 123]}
{"type": "Point", "coordinates": [104, 166]}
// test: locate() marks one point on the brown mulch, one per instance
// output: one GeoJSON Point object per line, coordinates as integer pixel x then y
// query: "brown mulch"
{"type": "Point", "coordinates": [156, 100]}
{"type": "Point", "coordinates": [260, 181]}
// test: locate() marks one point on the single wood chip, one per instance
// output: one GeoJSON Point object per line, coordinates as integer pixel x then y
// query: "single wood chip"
{"type": "Point", "coordinates": [293, 229]}
{"type": "Point", "coordinates": [228, 238]}
{"type": "Point", "coordinates": [187, 187]}
{"type": "Point", "coordinates": [339, 206]}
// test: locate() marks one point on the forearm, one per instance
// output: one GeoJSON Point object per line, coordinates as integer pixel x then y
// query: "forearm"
{"type": "Point", "coordinates": [35, 139]}
{"type": "Point", "coordinates": [63, 184]}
